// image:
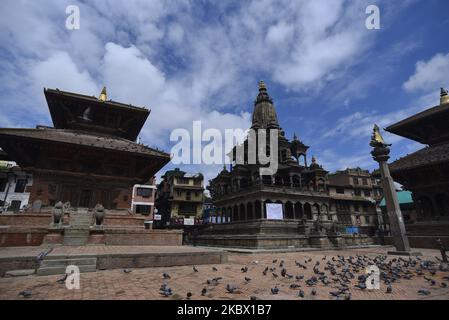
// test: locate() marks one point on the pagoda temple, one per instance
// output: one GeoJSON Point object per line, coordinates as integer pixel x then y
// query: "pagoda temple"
{"type": "Point", "coordinates": [426, 171]}
{"type": "Point", "coordinates": [90, 156]}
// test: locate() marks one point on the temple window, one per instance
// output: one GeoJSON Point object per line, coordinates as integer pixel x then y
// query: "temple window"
{"type": "Point", "coordinates": [3, 185]}
{"type": "Point", "coordinates": [144, 192]}
{"type": "Point", "coordinates": [20, 186]}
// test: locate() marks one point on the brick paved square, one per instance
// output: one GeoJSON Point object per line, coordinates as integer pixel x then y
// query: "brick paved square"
{"type": "Point", "coordinates": [145, 283]}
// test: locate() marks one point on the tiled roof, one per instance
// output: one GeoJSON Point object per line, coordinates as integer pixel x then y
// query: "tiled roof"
{"type": "Point", "coordinates": [425, 156]}
{"type": "Point", "coordinates": [84, 139]}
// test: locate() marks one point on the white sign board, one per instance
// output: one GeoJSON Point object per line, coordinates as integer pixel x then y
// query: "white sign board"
{"type": "Point", "coordinates": [157, 217]}
{"type": "Point", "coordinates": [189, 221]}
{"type": "Point", "coordinates": [274, 211]}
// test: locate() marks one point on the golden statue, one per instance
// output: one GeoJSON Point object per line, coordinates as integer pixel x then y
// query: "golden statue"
{"type": "Point", "coordinates": [376, 138]}
{"type": "Point", "coordinates": [103, 95]}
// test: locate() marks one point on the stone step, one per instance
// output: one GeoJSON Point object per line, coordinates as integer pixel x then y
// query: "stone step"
{"type": "Point", "coordinates": [19, 273]}
{"type": "Point", "coordinates": [46, 271]}
{"type": "Point", "coordinates": [65, 262]}
{"type": "Point", "coordinates": [75, 241]}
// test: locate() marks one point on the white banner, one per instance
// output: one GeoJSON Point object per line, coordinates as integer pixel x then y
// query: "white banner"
{"type": "Point", "coordinates": [274, 211]}
{"type": "Point", "coordinates": [157, 217]}
{"type": "Point", "coordinates": [189, 221]}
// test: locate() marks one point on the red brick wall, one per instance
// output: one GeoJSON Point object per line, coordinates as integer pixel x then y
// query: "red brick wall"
{"type": "Point", "coordinates": [123, 220]}
{"type": "Point", "coordinates": [143, 237]}
{"type": "Point", "coordinates": [21, 237]}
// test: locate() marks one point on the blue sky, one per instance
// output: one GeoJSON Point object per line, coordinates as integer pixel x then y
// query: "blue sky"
{"type": "Point", "coordinates": [331, 79]}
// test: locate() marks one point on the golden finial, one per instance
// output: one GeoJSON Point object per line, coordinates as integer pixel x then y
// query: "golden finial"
{"type": "Point", "coordinates": [444, 96]}
{"type": "Point", "coordinates": [103, 95]}
{"type": "Point", "coordinates": [262, 85]}
{"type": "Point", "coordinates": [376, 138]}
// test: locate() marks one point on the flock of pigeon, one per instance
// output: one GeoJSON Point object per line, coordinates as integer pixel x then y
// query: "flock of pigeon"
{"type": "Point", "coordinates": [338, 273]}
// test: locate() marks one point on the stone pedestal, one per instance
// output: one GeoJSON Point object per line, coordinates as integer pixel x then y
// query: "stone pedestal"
{"type": "Point", "coordinates": [55, 235]}
{"type": "Point", "coordinates": [96, 235]}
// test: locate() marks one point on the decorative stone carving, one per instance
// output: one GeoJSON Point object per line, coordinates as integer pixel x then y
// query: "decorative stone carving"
{"type": "Point", "coordinates": [99, 215]}
{"type": "Point", "coordinates": [58, 213]}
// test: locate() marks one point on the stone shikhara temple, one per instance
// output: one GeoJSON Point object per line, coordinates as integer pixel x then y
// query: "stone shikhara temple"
{"type": "Point", "coordinates": [90, 155]}
{"type": "Point", "coordinates": [241, 196]}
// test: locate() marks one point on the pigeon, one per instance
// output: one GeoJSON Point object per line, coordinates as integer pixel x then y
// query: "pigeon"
{"type": "Point", "coordinates": [299, 277]}
{"type": "Point", "coordinates": [230, 288]}
{"type": "Point", "coordinates": [283, 272]}
{"type": "Point", "coordinates": [275, 275]}
{"type": "Point", "coordinates": [63, 279]}
{"type": "Point", "coordinates": [443, 285]}
{"type": "Point", "coordinates": [424, 292]}
{"type": "Point", "coordinates": [361, 286]}
{"type": "Point", "coordinates": [215, 269]}
{"type": "Point", "coordinates": [204, 291]}
{"type": "Point", "coordinates": [275, 290]}
{"type": "Point", "coordinates": [194, 269]}
{"type": "Point", "coordinates": [245, 269]}
{"type": "Point", "coordinates": [294, 286]}
{"type": "Point", "coordinates": [189, 295]}
{"type": "Point", "coordinates": [166, 275]}
{"type": "Point", "coordinates": [276, 260]}
{"type": "Point", "coordinates": [313, 292]}
{"type": "Point", "coordinates": [253, 298]}
{"type": "Point", "coordinates": [389, 289]}
{"type": "Point", "coordinates": [25, 293]}
{"type": "Point", "coordinates": [335, 293]}
{"type": "Point", "coordinates": [301, 294]}
{"type": "Point", "coordinates": [43, 254]}
{"type": "Point", "coordinates": [166, 292]}
{"type": "Point", "coordinates": [127, 271]}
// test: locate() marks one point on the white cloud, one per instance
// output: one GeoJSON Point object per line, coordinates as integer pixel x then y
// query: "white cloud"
{"type": "Point", "coordinates": [429, 75]}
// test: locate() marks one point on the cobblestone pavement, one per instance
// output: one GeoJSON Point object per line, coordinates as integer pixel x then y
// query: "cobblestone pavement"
{"type": "Point", "coordinates": [145, 283]}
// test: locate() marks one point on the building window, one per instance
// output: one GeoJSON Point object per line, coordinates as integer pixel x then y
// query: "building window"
{"type": "Point", "coordinates": [183, 180]}
{"type": "Point", "coordinates": [340, 190]}
{"type": "Point", "coordinates": [20, 186]}
{"type": "Point", "coordinates": [187, 208]}
{"type": "Point", "coordinates": [356, 180]}
{"type": "Point", "coordinates": [143, 209]}
{"type": "Point", "coordinates": [144, 192]}
{"type": "Point", "coordinates": [3, 185]}
{"type": "Point", "coordinates": [367, 193]}
{"type": "Point", "coordinates": [357, 193]}
{"type": "Point", "coordinates": [188, 195]}
{"type": "Point", "coordinates": [15, 205]}
{"type": "Point", "coordinates": [356, 208]}
{"type": "Point", "coordinates": [197, 182]}
{"type": "Point", "coordinates": [178, 193]}
{"type": "Point", "coordinates": [365, 181]}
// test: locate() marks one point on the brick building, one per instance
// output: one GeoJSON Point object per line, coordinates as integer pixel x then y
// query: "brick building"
{"type": "Point", "coordinates": [180, 195]}
{"type": "Point", "coordinates": [356, 195]}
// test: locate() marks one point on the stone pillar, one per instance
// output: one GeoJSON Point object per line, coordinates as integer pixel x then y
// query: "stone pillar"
{"type": "Point", "coordinates": [380, 154]}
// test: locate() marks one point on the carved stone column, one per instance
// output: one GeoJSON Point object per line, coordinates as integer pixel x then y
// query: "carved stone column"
{"type": "Point", "coordinates": [380, 154]}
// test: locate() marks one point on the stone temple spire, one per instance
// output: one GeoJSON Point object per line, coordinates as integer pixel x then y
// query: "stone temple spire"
{"type": "Point", "coordinates": [264, 114]}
